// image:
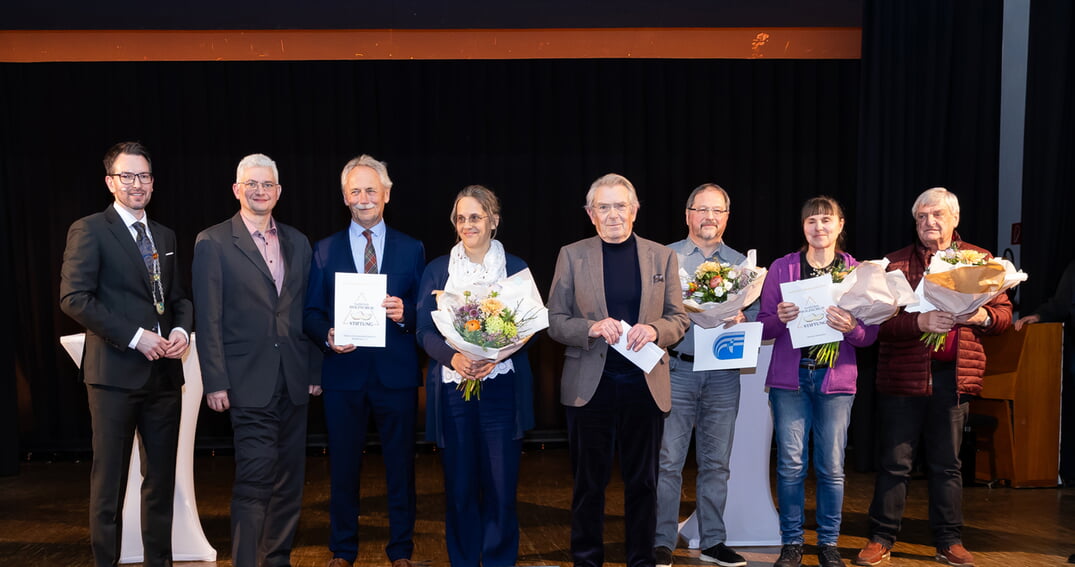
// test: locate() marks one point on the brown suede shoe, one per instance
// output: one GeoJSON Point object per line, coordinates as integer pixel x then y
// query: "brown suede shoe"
{"type": "Point", "coordinates": [955, 555]}
{"type": "Point", "coordinates": [873, 554]}
{"type": "Point", "coordinates": [338, 562]}
{"type": "Point", "coordinates": [406, 562]}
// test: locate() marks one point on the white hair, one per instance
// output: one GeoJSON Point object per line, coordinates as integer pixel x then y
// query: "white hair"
{"type": "Point", "coordinates": [366, 161]}
{"type": "Point", "coordinates": [934, 196]}
{"type": "Point", "coordinates": [611, 180]}
{"type": "Point", "coordinates": [256, 160]}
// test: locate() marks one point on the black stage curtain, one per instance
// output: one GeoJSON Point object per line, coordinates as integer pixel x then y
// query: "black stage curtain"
{"type": "Point", "coordinates": [538, 132]}
{"type": "Point", "coordinates": [1048, 176]}
{"type": "Point", "coordinates": [1049, 149]}
{"type": "Point", "coordinates": [930, 117]}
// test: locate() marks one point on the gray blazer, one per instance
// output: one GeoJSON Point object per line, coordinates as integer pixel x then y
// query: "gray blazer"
{"type": "Point", "coordinates": [247, 334]}
{"type": "Point", "coordinates": [577, 301]}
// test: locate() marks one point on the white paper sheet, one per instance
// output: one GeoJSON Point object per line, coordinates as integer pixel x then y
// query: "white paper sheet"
{"type": "Point", "coordinates": [359, 317]}
{"type": "Point", "coordinates": [646, 358]}
{"type": "Point", "coordinates": [813, 296]}
{"type": "Point", "coordinates": [720, 349]}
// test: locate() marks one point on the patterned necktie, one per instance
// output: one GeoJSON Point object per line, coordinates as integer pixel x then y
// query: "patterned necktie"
{"type": "Point", "coordinates": [145, 245]}
{"type": "Point", "coordinates": [371, 254]}
{"type": "Point", "coordinates": [149, 256]}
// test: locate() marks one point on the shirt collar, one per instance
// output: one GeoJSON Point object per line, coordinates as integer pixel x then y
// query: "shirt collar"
{"type": "Point", "coordinates": [378, 229]}
{"type": "Point", "coordinates": [254, 230]}
{"type": "Point", "coordinates": [128, 218]}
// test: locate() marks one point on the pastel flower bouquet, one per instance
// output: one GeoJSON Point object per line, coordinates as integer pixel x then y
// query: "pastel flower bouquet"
{"type": "Point", "coordinates": [717, 291]}
{"type": "Point", "coordinates": [959, 282]}
{"type": "Point", "coordinates": [490, 323]}
{"type": "Point", "coordinates": [870, 294]}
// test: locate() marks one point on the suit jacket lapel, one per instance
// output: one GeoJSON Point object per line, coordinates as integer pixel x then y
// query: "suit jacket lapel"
{"type": "Point", "coordinates": [122, 233]}
{"type": "Point", "coordinates": [595, 276]}
{"type": "Point", "coordinates": [647, 269]}
{"type": "Point", "coordinates": [245, 243]}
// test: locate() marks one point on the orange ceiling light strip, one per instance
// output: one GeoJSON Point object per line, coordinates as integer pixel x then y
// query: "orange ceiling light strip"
{"type": "Point", "coordinates": [35, 46]}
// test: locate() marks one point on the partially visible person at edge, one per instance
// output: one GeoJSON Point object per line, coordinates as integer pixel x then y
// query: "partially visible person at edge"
{"type": "Point", "coordinates": [706, 402]}
{"type": "Point", "coordinates": [481, 438]}
{"type": "Point", "coordinates": [1060, 308]}
{"type": "Point", "coordinates": [361, 383]}
{"type": "Point", "coordinates": [924, 393]}
{"type": "Point", "coordinates": [611, 403]}
{"type": "Point", "coordinates": [808, 398]}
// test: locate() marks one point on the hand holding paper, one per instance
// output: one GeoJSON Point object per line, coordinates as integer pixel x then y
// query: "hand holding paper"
{"type": "Point", "coordinates": [647, 357]}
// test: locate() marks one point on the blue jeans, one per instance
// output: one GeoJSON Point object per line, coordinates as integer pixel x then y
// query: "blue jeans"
{"type": "Point", "coordinates": [798, 414]}
{"type": "Point", "coordinates": [706, 402]}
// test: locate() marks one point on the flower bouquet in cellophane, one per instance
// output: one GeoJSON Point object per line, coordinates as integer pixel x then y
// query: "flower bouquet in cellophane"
{"type": "Point", "coordinates": [961, 281]}
{"type": "Point", "coordinates": [870, 294]}
{"type": "Point", "coordinates": [492, 322]}
{"type": "Point", "coordinates": [716, 291]}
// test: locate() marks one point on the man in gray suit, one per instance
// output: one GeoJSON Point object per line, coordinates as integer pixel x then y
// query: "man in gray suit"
{"type": "Point", "coordinates": [120, 280]}
{"type": "Point", "coordinates": [611, 403]}
{"type": "Point", "coordinates": [250, 276]}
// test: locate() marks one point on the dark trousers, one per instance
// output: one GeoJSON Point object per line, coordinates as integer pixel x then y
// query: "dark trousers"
{"type": "Point", "coordinates": [347, 415]}
{"type": "Point", "coordinates": [115, 413]}
{"type": "Point", "coordinates": [481, 474]}
{"type": "Point", "coordinates": [938, 420]}
{"type": "Point", "coordinates": [270, 459]}
{"type": "Point", "coordinates": [621, 415]}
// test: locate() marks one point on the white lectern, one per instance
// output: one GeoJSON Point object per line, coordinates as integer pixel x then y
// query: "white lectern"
{"type": "Point", "coordinates": [749, 516]}
{"type": "Point", "coordinates": [188, 539]}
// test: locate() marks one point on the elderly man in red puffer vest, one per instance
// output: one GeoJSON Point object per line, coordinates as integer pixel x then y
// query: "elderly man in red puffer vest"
{"type": "Point", "coordinates": [924, 393]}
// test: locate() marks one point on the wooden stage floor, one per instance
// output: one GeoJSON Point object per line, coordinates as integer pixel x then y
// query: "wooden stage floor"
{"type": "Point", "coordinates": [43, 517]}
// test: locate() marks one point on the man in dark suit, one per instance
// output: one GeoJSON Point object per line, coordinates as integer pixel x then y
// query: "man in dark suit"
{"type": "Point", "coordinates": [250, 276]}
{"type": "Point", "coordinates": [121, 281]}
{"type": "Point", "coordinates": [364, 381]}
{"type": "Point", "coordinates": [611, 403]}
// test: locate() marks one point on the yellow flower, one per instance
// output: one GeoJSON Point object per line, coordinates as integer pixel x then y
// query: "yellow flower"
{"type": "Point", "coordinates": [492, 307]}
{"type": "Point", "coordinates": [706, 267]}
{"type": "Point", "coordinates": [972, 257]}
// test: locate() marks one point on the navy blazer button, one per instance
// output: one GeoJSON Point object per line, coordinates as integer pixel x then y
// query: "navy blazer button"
{"type": "Point", "coordinates": [276, 345]}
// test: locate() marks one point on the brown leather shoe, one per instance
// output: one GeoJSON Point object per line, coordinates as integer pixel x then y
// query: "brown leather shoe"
{"type": "Point", "coordinates": [405, 562]}
{"type": "Point", "coordinates": [873, 553]}
{"type": "Point", "coordinates": [955, 555]}
{"type": "Point", "coordinates": [338, 562]}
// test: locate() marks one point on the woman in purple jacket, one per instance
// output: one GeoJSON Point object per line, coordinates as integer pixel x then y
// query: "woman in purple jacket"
{"type": "Point", "coordinates": [809, 398]}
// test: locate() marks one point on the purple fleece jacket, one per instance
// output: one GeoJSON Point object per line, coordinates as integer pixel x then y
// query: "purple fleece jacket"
{"type": "Point", "coordinates": [784, 366]}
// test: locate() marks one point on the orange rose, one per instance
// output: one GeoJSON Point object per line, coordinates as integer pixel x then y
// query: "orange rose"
{"type": "Point", "coordinates": [473, 325]}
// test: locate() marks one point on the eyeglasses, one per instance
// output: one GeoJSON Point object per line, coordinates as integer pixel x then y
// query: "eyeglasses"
{"type": "Point", "coordinates": [472, 219]}
{"type": "Point", "coordinates": [127, 178]}
{"type": "Point", "coordinates": [605, 208]}
{"type": "Point", "coordinates": [706, 210]}
{"type": "Point", "coordinates": [253, 185]}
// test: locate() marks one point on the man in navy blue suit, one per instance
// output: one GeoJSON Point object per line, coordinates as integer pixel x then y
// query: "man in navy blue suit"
{"type": "Point", "coordinates": [360, 382]}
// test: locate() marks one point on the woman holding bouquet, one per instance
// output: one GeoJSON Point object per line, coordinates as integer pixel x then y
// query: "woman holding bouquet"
{"type": "Point", "coordinates": [808, 397]}
{"type": "Point", "coordinates": [481, 437]}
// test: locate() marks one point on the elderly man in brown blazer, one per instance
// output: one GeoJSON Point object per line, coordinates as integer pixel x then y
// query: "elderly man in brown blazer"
{"type": "Point", "coordinates": [611, 403]}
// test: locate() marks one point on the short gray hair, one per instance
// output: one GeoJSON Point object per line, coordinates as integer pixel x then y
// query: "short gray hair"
{"type": "Point", "coordinates": [707, 187]}
{"type": "Point", "coordinates": [256, 160]}
{"type": "Point", "coordinates": [367, 161]}
{"type": "Point", "coordinates": [934, 196]}
{"type": "Point", "coordinates": [611, 180]}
